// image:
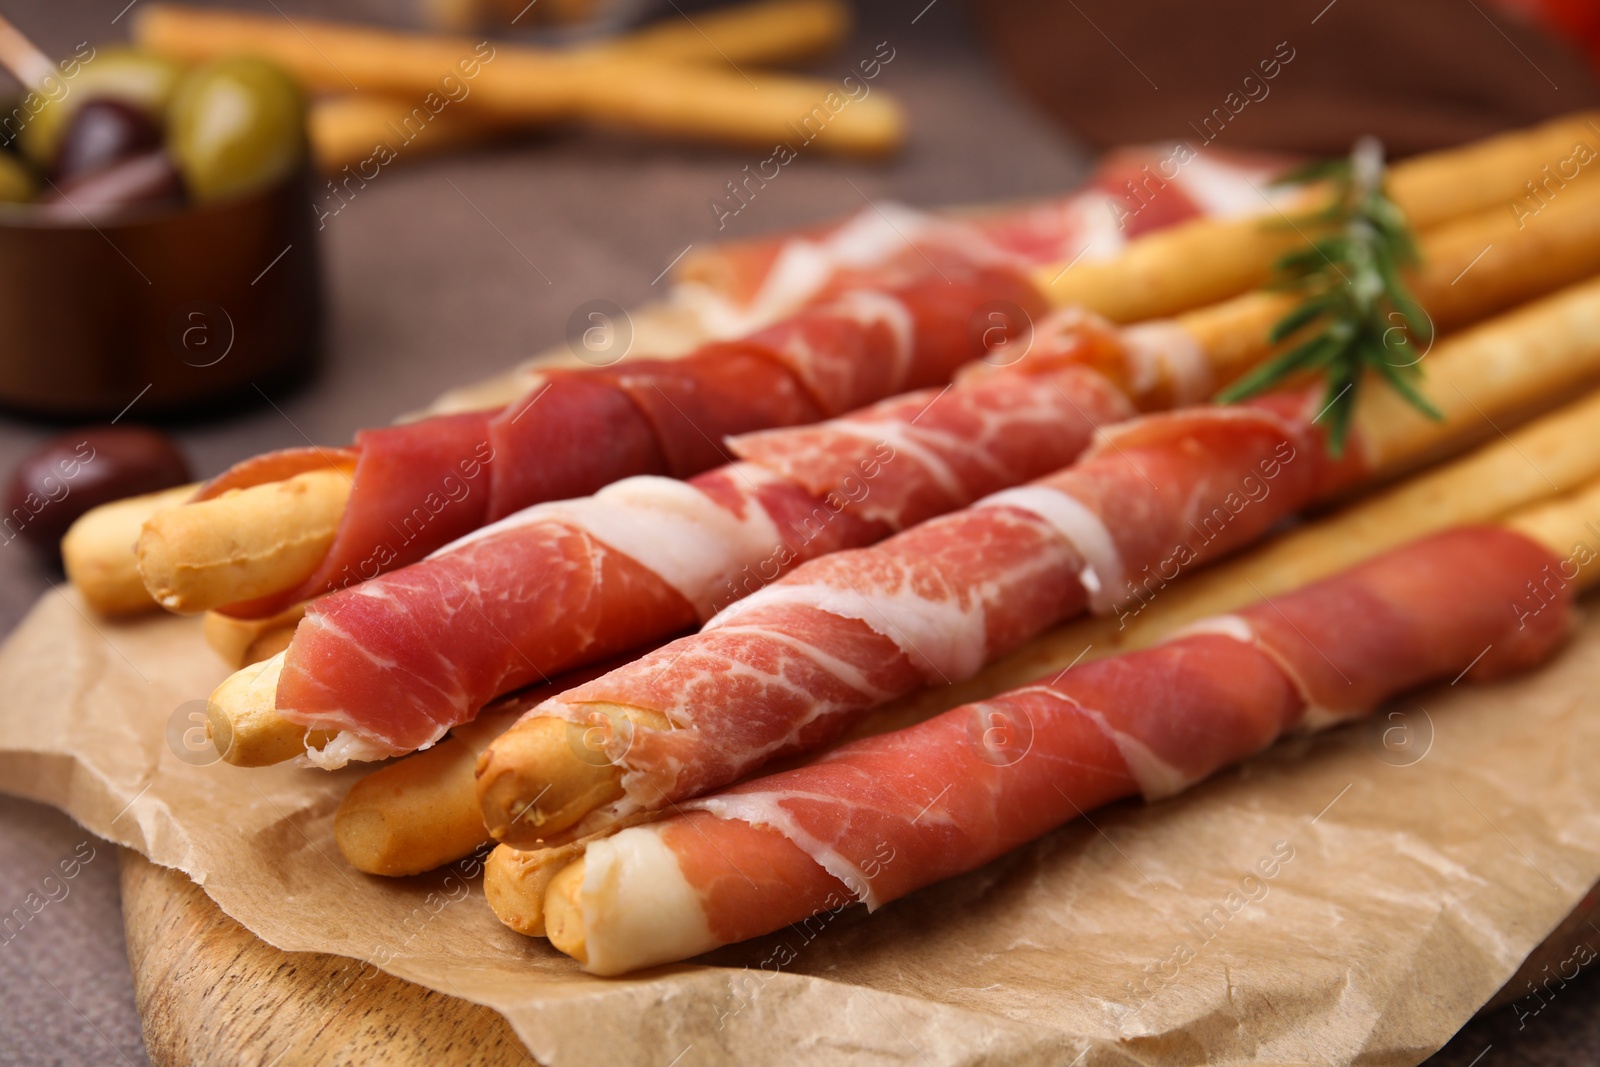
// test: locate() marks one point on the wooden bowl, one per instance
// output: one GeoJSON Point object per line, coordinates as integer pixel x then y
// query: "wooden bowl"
{"type": "Point", "coordinates": [175, 308]}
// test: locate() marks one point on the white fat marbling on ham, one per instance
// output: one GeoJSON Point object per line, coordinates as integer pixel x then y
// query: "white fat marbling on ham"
{"type": "Point", "coordinates": [766, 810]}
{"type": "Point", "coordinates": [946, 640]}
{"type": "Point", "coordinates": [871, 306]}
{"type": "Point", "coordinates": [1160, 353]}
{"type": "Point", "coordinates": [638, 908]}
{"type": "Point", "coordinates": [1102, 573]}
{"type": "Point", "coordinates": [1316, 717]}
{"type": "Point", "coordinates": [691, 541]}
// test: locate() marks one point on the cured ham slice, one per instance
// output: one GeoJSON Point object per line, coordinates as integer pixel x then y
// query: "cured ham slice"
{"type": "Point", "coordinates": [419, 486]}
{"type": "Point", "coordinates": [791, 666]}
{"type": "Point", "coordinates": [878, 818]}
{"type": "Point", "coordinates": [393, 663]}
{"type": "Point", "coordinates": [1132, 192]}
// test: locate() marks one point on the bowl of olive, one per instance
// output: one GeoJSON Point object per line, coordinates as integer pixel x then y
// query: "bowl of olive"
{"type": "Point", "coordinates": [156, 243]}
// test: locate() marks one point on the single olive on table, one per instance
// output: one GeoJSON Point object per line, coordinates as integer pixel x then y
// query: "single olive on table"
{"type": "Point", "coordinates": [76, 471]}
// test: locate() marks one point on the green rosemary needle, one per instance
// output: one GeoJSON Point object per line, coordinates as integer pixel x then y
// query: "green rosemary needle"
{"type": "Point", "coordinates": [1356, 314]}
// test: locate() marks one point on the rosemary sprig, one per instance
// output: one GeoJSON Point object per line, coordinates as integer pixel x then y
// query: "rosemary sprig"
{"type": "Point", "coordinates": [1360, 313]}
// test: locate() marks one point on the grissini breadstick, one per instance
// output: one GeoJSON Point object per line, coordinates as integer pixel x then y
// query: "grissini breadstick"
{"type": "Point", "coordinates": [876, 819]}
{"type": "Point", "coordinates": [1472, 267]}
{"type": "Point", "coordinates": [420, 485]}
{"type": "Point", "coordinates": [1534, 352]}
{"type": "Point", "coordinates": [238, 734]}
{"type": "Point", "coordinates": [187, 553]}
{"type": "Point", "coordinates": [1155, 276]}
{"type": "Point", "coordinates": [241, 642]}
{"type": "Point", "coordinates": [97, 551]}
{"type": "Point", "coordinates": [346, 128]}
{"type": "Point", "coordinates": [539, 86]}
{"type": "Point", "coordinates": [567, 584]}
{"type": "Point", "coordinates": [419, 812]}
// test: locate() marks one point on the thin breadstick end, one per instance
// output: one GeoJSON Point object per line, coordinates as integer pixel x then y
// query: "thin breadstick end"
{"type": "Point", "coordinates": [515, 882]}
{"type": "Point", "coordinates": [241, 642]}
{"type": "Point", "coordinates": [541, 777]}
{"type": "Point", "coordinates": [243, 721]}
{"type": "Point", "coordinates": [414, 814]}
{"type": "Point", "coordinates": [97, 551]}
{"type": "Point", "coordinates": [244, 544]}
{"type": "Point", "coordinates": [563, 912]}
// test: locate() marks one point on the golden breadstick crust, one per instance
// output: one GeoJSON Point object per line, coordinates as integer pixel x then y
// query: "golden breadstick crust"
{"type": "Point", "coordinates": [1483, 263]}
{"type": "Point", "coordinates": [515, 882]}
{"type": "Point", "coordinates": [243, 722]}
{"type": "Point", "coordinates": [762, 34]}
{"type": "Point", "coordinates": [1497, 371]}
{"type": "Point", "coordinates": [419, 812]}
{"type": "Point", "coordinates": [243, 544]}
{"type": "Point", "coordinates": [1568, 526]}
{"type": "Point", "coordinates": [1491, 173]}
{"type": "Point", "coordinates": [412, 815]}
{"type": "Point", "coordinates": [540, 777]}
{"type": "Point", "coordinates": [97, 551]}
{"type": "Point", "coordinates": [241, 642]}
{"type": "Point", "coordinates": [1156, 274]}
{"type": "Point", "coordinates": [530, 85]}
{"type": "Point", "coordinates": [563, 911]}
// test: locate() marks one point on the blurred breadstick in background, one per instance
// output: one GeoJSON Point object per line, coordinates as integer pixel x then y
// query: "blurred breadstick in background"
{"type": "Point", "coordinates": [97, 551]}
{"type": "Point", "coordinates": [645, 82]}
{"type": "Point", "coordinates": [345, 127]}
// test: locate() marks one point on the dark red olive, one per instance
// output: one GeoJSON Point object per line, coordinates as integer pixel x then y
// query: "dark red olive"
{"type": "Point", "coordinates": [70, 474]}
{"type": "Point", "coordinates": [101, 133]}
{"type": "Point", "coordinates": [149, 180]}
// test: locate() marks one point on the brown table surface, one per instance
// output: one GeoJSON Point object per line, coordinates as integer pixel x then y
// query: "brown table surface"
{"type": "Point", "coordinates": [429, 286]}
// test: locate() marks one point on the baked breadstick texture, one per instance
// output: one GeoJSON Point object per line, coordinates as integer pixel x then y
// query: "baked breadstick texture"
{"type": "Point", "coordinates": [186, 554]}
{"type": "Point", "coordinates": [1156, 275]}
{"type": "Point", "coordinates": [621, 86]}
{"type": "Point", "coordinates": [98, 553]}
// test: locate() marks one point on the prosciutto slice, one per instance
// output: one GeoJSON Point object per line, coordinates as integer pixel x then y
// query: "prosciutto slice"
{"type": "Point", "coordinates": [881, 817]}
{"type": "Point", "coordinates": [419, 486]}
{"type": "Point", "coordinates": [1132, 192]}
{"type": "Point", "coordinates": [791, 666]}
{"type": "Point", "coordinates": [394, 662]}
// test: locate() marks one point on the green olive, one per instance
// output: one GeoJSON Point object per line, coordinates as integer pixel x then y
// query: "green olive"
{"type": "Point", "coordinates": [136, 78]}
{"type": "Point", "coordinates": [235, 125]}
{"type": "Point", "coordinates": [16, 182]}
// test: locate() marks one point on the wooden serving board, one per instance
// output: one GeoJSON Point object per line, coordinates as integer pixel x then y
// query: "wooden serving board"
{"type": "Point", "coordinates": [211, 992]}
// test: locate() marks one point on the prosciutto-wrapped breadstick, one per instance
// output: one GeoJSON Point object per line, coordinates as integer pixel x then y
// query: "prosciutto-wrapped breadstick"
{"type": "Point", "coordinates": [395, 662]}
{"type": "Point", "coordinates": [401, 492]}
{"type": "Point", "coordinates": [793, 665]}
{"type": "Point", "coordinates": [879, 818]}
{"type": "Point", "coordinates": [1155, 276]}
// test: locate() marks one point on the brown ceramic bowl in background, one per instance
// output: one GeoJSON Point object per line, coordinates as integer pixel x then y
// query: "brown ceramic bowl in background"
{"type": "Point", "coordinates": [177, 308]}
